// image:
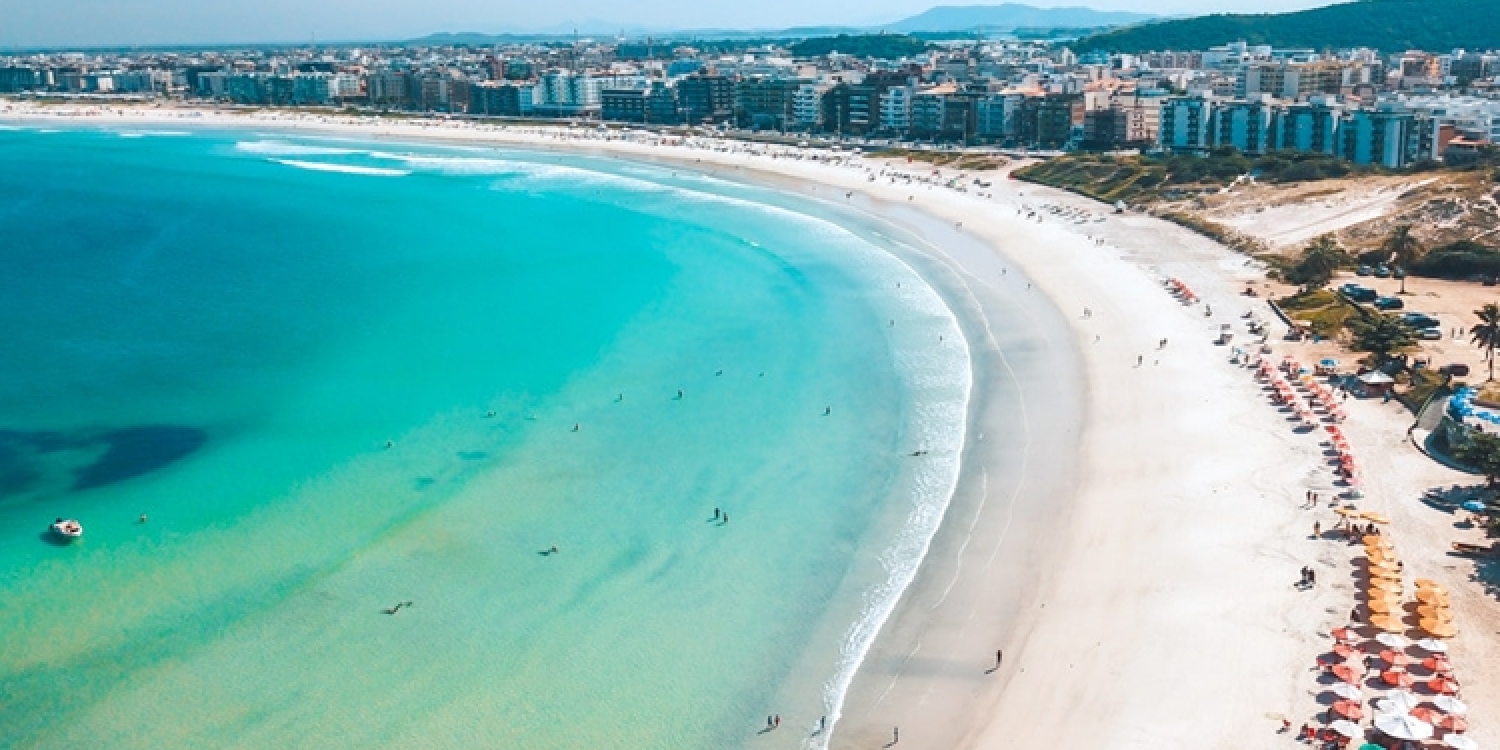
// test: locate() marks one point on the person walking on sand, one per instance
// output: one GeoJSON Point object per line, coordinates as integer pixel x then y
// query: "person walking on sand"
{"type": "Point", "coordinates": [1317, 530]}
{"type": "Point", "coordinates": [777, 723]}
{"type": "Point", "coordinates": [999, 657]}
{"type": "Point", "coordinates": [895, 735]}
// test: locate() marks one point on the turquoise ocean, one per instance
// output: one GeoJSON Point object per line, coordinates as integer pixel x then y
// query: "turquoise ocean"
{"type": "Point", "coordinates": [337, 375]}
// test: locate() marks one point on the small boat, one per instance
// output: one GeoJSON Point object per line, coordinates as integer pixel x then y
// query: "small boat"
{"type": "Point", "coordinates": [67, 528]}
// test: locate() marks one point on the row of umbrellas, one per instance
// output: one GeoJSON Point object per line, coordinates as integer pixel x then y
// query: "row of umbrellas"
{"type": "Point", "coordinates": [1181, 291]}
{"type": "Point", "coordinates": [1323, 396]}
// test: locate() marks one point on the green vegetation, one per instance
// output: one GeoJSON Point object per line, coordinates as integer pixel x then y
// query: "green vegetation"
{"type": "Point", "coordinates": [880, 46]}
{"type": "Point", "coordinates": [1387, 25]}
{"type": "Point", "coordinates": [1326, 312]}
{"type": "Point", "coordinates": [1318, 263]}
{"type": "Point", "coordinates": [1381, 336]}
{"type": "Point", "coordinates": [1403, 248]}
{"type": "Point", "coordinates": [1459, 260]}
{"type": "Point", "coordinates": [954, 159]}
{"type": "Point", "coordinates": [1486, 335]}
{"type": "Point", "coordinates": [1482, 452]}
{"type": "Point", "coordinates": [1110, 177]}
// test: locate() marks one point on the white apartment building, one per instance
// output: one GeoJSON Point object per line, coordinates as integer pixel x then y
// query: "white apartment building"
{"type": "Point", "coordinates": [895, 108]}
{"type": "Point", "coordinates": [807, 104]}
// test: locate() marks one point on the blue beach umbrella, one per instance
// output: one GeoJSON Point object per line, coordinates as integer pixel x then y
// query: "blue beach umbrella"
{"type": "Point", "coordinates": [1473, 506]}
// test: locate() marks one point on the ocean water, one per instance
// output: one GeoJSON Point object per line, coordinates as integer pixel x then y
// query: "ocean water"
{"type": "Point", "coordinates": [335, 376]}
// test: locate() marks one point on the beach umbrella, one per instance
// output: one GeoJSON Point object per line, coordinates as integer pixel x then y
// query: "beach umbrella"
{"type": "Point", "coordinates": [1460, 742]}
{"type": "Point", "coordinates": [1437, 665]}
{"type": "Point", "coordinates": [1384, 606]}
{"type": "Point", "coordinates": [1346, 728]}
{"type": "Point", "coordinates": [1397, 678]}
{"type": "Point", "coordinates": [1442, 686]}
{"type": "Point", "coordinates": [1349, 709]}
{"type": "Point", "coordinates": [1423, 583]}
{"type": "Point", "coordinates": [1344, 650]}
{"type": "Point", "coordinates": [1348, 691]}
{"type": "Point", "coordinates": [1453, 723]}
{"type": "Point", "coordinates": [1394, 658]}
{"type": "Point", "coordinates": [1432, 596]}
{"type": "Point", "coordinates": [1429, 715]}
{"type": "Point", "coordinates": [1392, 640]}
{"type": "Point", "coordinates": [1450, 704]}
{"type": "Point", "coordinates": [1388, 623]}
{"type": "Point", "coordinates": [1435, 612]}
{"type": "Point", "coordinates": [1348, 634]}
{"type": "Point", "coordinates": [1432, 645]}
{"type": "Point", "coordinates": [1397, 702]}
{"type": "Point", "coordinates": [1473, 506]}
{"type": "Point", "coordinates": [1439, 628]}
{"type": "Point", "coordinates": [1403, 726]}
{"type": "Point", "coordinates": [1345, 673]}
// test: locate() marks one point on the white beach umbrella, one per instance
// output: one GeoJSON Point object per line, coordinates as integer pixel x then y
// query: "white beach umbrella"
{"type": "Point", "coordinates": [1393, 640]}
{"type": "Point", "coordinates": [1450, 704]}
{"type": "Point", "coordinates": [1396, 702]}
{"type": "Point", "coordinates": [1432, 645]}
{"type": "Point", "coordinates": [1346, 691]}
{"type": "Point", "coordinates": [1462, 742]}
{"type": "Point", "coordinates": [1346, 728]}
{"type": "Point", "coordinates": [1403, 726]}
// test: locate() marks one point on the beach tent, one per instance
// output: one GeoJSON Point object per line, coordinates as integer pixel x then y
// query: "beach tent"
{"type": "Point", "coordinates": [1403, 726]}
{"type": "Point", "coordinates": [1397, 702]}
{"type": "Point", "coordinates": [1346, 728]}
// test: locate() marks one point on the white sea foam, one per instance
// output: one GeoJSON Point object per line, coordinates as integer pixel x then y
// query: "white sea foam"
{"type": "Point", "coordinates": [942, 381]}
{"type": "Point", "coordinates": [320, 166]}
{"type": "Point", "coordinates": [286, 148]}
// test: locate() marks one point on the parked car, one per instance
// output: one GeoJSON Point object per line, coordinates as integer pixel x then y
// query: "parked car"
{"type": "Point", "coordinates": [1457, 370]}
{"type": "Point", "coordinates": [1399, 273]}
{"type": "Point", "coordinates": [1363, 271]}
{"type": "Point", "coordinates": [1420, 320]}
{"type": "Point", "coordinates": [1430, 334]}
{"type": "Point", "coordinates": [1381, 272]}
{"type": "Point", "coordinates": [1389, 303]}
{"type": "Point", "coordinates": [1359, 293]}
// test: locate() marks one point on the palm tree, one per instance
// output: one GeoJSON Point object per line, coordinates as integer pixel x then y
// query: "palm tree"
{"type": "Point", "coordinates": [1404, 250]}
{"type": "Point", "coordinates": [1487, 333]}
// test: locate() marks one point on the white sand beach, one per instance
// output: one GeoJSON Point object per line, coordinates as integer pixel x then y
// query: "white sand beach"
{"type": "Point", "coordinates": [1138, 573]}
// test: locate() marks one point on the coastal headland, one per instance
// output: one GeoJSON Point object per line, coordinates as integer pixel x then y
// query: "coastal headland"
{"type": "Point", "coordinates": [1135, 568]}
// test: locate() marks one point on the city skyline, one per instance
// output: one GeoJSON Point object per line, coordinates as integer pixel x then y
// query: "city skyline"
{"type": "Point", "coordinates": [85, 23]}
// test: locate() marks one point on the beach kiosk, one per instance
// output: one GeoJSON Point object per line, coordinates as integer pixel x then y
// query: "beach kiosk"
{"type": "Point", "coordinates": [1375, 383]}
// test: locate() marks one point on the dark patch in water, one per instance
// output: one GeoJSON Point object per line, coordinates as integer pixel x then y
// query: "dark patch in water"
{"type": "Point", "coordinates": [422, 483]}
{"type": "Point", "coordinates": [51, 461]}
{"type": "Point", "coordinates": [134, 451]}
{"type": "Point", "coordinates": [472, 455]}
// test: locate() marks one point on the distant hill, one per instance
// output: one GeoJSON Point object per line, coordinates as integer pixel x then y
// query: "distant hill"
{"type": "Point", "coordinates": [1011, 16]}
{"type": "Point", "coordinates": [882, 46]}
{"type": "Point", "coordinates": [1386, 25]}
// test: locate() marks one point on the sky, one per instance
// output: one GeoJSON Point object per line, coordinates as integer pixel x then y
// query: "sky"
{"type": "Point", "coordinates": [61, 23]}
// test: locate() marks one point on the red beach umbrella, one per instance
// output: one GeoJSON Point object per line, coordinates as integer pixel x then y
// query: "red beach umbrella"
{"type": "Point", "coordinates": [1435, 664]}
{"type": "Point", "coordinates": [1441, 686]}
{"type": "Point", "coordinates": [1345, 634]}
{"type": "Point", "coordinates": [1453, 723]}
{"type": "Point", "coordinates": [1429, 715]}
{"type": "Point", "coordinates": [1349, 709]}
{"type": "Point", "coordinates": [1394, 658]}
{"type": "Point", "coordinates": [1397, 678]}
{"type": "Point", "coordinates": [1344, 650]}
{"type": "Point", "coordinates": [1345, 672]}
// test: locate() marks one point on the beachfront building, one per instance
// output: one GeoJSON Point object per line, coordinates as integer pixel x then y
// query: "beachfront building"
{"type": "Point", "coordinates": [1384, 136]}
{"type": "Point", "coordinates": [1187, 124]}
{"type": "Point", "coordinates": [705, 98]}
{"type": "Point", "coordinates": [997, 117]}
{"type": "Point", "coordinates": [807, 105]}
{"type": "Point", "coordinates": [496, 99]}
{"type": "Point", "coordinates": [1245, 125]}
{"type": "Point", "coordinates": [765, 103]}
{"type": "Point", "coordinates": [1309, 127]}
{"type": "Point", "coordinates": [895, 108]}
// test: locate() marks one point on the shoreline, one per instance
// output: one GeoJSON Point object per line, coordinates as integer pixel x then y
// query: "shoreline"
{"type": "Point", "coordinates": [1158, 612]}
